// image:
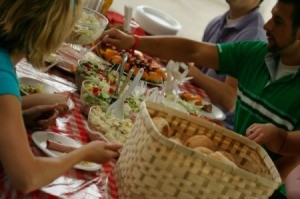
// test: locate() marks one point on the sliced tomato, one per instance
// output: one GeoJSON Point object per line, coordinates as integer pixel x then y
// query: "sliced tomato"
{"type": "Point", "coordinates": [95, 91]}
{"type": "Point", "coordinates": [112, 83]}
{"type": "Point", "coordinates": [111, 90]}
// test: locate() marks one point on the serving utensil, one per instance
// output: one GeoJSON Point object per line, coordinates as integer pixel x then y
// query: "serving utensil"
{"type": "Point", "coordinates": [109, 69]}
{"type": "Point", "coordinates": [117, 108]}
{"type": "Point", "coordinates": [59, 59]}
{"type": "Point", "coordinates": [121, 71]}
{"type": "Point", "coordinates": [126, 82]}
{"type": "Point", "coordinates": [84, 51]}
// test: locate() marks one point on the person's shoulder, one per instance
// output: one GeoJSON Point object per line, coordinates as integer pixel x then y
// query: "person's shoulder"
{"type": "Point", "coordinates": [5, 61]}
{"type": "Point", "coordinates": [251, 27]}
{"type": "Point", "coordinates": [212, 26]}
{"type": "Point", "coordinates": [252, 33]}
{"type": "Point", "coordinates": [216, 21]}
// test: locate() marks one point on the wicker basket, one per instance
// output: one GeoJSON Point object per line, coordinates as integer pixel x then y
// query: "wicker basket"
{"type": "Point", "coordinates": [152, 166]}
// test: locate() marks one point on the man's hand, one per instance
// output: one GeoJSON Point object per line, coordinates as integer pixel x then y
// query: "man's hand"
{"type": "Point", "coordinates": [268, 134]}
{"type": "Point", "coordinates": [118, 39]}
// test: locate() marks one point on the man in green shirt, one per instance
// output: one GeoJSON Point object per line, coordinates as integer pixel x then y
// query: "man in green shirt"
{"type": "Point", "coordinates": [268, 73]}
{"type": "Point", "coordinates": [265, 93]}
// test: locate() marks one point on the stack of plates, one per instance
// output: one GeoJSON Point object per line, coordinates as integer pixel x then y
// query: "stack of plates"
{"type": "Point", "coordinates": [155, 21]}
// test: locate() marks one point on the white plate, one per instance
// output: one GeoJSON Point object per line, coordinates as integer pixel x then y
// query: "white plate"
{"type": "Point", "coordinates": [40, 138]}
{"type": "Point", "coordinates": [216, 113]}
{"type": "Point", "coordinates": [155, 21]}
{"type": "Point", "coordinates": [45, 88]}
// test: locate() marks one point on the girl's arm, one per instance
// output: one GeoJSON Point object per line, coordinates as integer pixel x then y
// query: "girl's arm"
{"type": "Point", "coordinates": [28, 172]}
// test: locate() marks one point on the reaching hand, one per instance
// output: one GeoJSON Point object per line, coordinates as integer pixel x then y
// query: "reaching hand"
{"type": "Point", "coordinates": [40, 117]}
{"type": "Point", "coordinates": [57, 99]}
{"type": "Point", "coordinates": [102, 152]}
{"type": "Point", "coordinates": [62, 108]}
{"type": "Point", "coordinates": [118, 39]}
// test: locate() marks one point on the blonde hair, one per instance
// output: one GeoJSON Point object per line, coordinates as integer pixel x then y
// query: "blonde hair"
{"type": "Point", "coordinates": [36, 27]}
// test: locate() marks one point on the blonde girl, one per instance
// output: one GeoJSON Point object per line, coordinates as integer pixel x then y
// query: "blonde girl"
{"type": "Point", "coordinates": [33, 29]}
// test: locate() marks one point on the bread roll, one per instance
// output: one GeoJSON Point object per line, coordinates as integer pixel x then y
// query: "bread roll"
{"type": "Point", "coordinates": [203, 150]}
{"type": "Point", "coordinates": [228, 156]}
{"type": "Point", "coordinates": [176, 140]}
{"type": "Point", "coordinates": [218, 155]}
{"type": "Point", "coordinates": [199, 141]}
{"type": "Point", "coordinates": [162, 126]}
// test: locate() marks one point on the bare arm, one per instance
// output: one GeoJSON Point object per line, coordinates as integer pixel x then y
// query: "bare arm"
{"type": "Point", "coordinates": [18, 160]}
{"type": "Point", "coordinates": [29, 101]}
{"type": "Point", "coordinates": [291, 145]}
{"type": "Point", "coordinates": [212, 87]}
{"type": "Point", "coordinates": [178, 49]}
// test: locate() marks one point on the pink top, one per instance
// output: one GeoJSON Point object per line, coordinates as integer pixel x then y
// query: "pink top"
{"type": "Point", "coordinates": [293, 184]}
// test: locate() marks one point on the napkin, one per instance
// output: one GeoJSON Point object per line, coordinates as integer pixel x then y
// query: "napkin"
{"type": "Point", "coordinates": [154, 95]}
{"type": "Point", "coordinates": [175, 77]}
{"type": "Point", "coordinates": [140, 89]}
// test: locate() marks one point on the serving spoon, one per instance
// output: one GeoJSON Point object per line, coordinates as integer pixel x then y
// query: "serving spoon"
{"type": "Point", "coordinates": [117, 108]}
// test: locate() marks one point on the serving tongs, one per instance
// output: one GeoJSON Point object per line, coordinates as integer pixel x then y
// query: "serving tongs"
{"type": "Point", "coordinates": [129, 75]}
{"type": "Point", "coordinates": [109, 69]}
{"type": "Point", "coordinates": [121, 71]}
{"type": "Point", "coordinates": [58, 60]}
{"type": "Point", "coordinates": [84, 51]}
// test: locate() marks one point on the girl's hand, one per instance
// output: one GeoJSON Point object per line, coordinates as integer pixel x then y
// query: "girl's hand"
{"type": "Point", "coordinates": [101, 152]}
{"type": "Point", "coordinates": [40, 117]}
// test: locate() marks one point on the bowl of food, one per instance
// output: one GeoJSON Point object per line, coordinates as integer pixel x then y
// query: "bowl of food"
{"type": "Point", "coordinates": [95, 93]}
{"type": "Point", "coordinates": [108, 127]}
{"type": "Point", "coordinates": [89, 27]}
{"type": "Point", "coordinates": [87, 70]}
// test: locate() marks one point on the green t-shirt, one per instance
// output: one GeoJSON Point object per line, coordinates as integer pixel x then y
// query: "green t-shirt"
{"type": "Point", "coordinates": [260, 99]}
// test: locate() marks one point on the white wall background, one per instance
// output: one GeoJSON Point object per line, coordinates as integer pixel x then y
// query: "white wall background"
{"type": "Point", "coordinates": [193, 15]}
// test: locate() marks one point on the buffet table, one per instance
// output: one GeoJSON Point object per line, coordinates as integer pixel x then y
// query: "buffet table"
{"type": "Point", "coordinates": [77, 183]}
{"type": "Point", "coordinates": [74, 183]}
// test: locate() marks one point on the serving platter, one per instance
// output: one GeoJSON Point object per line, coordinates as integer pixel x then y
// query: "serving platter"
{"type": "Point", "coordinates": [191, 107]}
{"type": "Point", "coordinates": [153, 71]}
{"type": "Point", "coordinates": [40, 87]}
{"type": "Point", "coordinates": [40, 138]}
{"type": "Point", "coordinates": [36, 86]}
